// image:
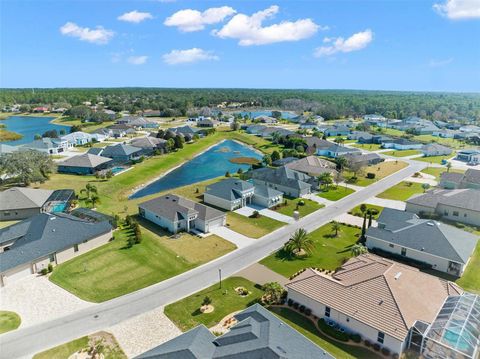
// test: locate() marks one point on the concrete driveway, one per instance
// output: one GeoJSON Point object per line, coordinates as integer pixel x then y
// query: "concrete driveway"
{"type": "Point", "coordinates": [248, 211]}
{"type": "Point", "coordinates": [236, 238]}
{"type": "Point", "coordinates": [389, 203]}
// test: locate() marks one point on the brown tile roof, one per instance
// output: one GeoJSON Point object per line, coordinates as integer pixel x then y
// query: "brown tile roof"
{"type": "Point", "coordinates": [378, 292]}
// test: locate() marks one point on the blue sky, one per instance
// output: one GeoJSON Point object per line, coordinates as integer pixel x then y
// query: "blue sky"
{"type": "Point", "coordinates": [391, 45]}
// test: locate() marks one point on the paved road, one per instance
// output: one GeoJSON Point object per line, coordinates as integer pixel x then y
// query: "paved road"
{"type": "Point", "coordinates": [30, 340]}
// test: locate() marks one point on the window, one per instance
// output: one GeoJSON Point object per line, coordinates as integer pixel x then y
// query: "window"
{"type": "Point", "coordinates": [464, 214]}
{"type": "Point", "coordinates": [380, 337]}
{"type": "Point", "coordinates": [455, 213]}
{"type": "Point", "coordinates": [6, 214]}
{"type": "Point", "coordinates": [327, 312]}
{"type": "Point", "coordinates": [445, 213]}
{"type": "Point", "coordinates": [404, 251]}
{"type": "Point", "coordinates": [75, 247]}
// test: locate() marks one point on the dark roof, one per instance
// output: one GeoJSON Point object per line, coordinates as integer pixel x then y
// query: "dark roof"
{"type": "Point", "coordinates": [148, 142]}
{"type": "Point", "coordinates": [282, 176]}
{"type": "Point", "coordinates": [356, 157]}
{"type": "Point", "coordinates": [43, 234]}
{"type": "Point", "coordinates": [86, 160]}
{"type": "Point", "coordinates": [452, 177]}
{"type": "Point", "coordinates": [258, 334]}
{"type": "Point", "coordinates": [472, 176]}
{"type": "Point", "coordinates": [284, 161]}
{"type": "Point", "coordinates": [95, 151]}
{"type": "Point", "coordinates": [318, 143]}
{"type": "Point", "coordinates": [461, 198]}
{"type": "Point", "coordinates": [424, 235]}
{"type": "Point", "coordinates": [120, 149]}
{"type": "Point", "coordinates": [229, 189]}
{"type": "Point", "coordinates": [266, 192]}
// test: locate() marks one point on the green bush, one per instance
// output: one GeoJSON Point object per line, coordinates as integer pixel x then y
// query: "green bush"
{"type": "Point", "coordinates": [356, 338]}
{"type": "Point", "coordinates": [370, 175]}
{"type": "Point", "coordinates": [50, 268]}
{"type": "Point", "coordinates": [344, 337]}
{"type": "Point", "coordinates": [44, 271]}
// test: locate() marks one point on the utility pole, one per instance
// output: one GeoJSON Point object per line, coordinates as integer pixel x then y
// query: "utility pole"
{"type": "Point", "coordinates": [220, 276]}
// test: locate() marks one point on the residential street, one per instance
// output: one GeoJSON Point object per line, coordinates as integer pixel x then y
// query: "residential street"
{"type": "Point", "coordinates": [30, 340]}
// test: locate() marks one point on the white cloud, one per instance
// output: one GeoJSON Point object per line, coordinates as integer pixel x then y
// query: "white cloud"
{"type": "Point", "coordinates": [249, 30]}
{"type": "Point", "coordinates": [137, 60]}
{"type": "Point", "coordinates": [440, 63]}
{"type": "Point", "coordinates": [99, 35]}
{"type": "Point", "coordinates": [189, 20]}
{"type": "Point", "coordinates": [459, 9]}
{"type": "Point", "coordinates": [135, 16]}
{"type": "Point", "coordinates": [356, 42]}
{"type": "Point", "coordinates": [195, 54]}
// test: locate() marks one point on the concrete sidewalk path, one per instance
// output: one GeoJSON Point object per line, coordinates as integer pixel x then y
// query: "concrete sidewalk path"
{"type": "Point", "coordinates": [236, 238]}
{"type": "Point", "coordinates": [389, 203]}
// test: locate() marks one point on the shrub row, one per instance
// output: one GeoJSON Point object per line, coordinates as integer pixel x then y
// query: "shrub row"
{"type": "Point", "coordinates": [344, 337]}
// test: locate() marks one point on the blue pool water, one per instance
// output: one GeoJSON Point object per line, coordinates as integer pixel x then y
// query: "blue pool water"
{"type": "Point", "coordinates": [117, 169]}
{"type": "Point", "coordinates": [213, 163]}
{"type": "Point", "coordinates": [29, 126]}
{"type": "Point", "coordinates": [253, 114]}
{"type": "Point", "coordinates": [60, 207]}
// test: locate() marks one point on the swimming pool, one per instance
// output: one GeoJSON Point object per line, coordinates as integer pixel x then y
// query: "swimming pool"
{"type": "Point", "coordinates": [58, 207]}
{"type": "Point", "coordinates": [116, 170]}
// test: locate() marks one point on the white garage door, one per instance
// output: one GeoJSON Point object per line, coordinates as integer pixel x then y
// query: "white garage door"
{"type": "Point", "coordinates": [215, 223]}
{"type": "Point", "coordinates": [17, 274]}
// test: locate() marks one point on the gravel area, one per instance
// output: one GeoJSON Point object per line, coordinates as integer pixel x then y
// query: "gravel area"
{"type": "Point", "coordinates": [144, 332]}
{"type": "Point", "coordinates": [36, 298]}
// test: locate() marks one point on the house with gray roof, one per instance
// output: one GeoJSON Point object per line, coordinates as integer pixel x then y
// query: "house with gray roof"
{"type": "Point", "coordinates": [185, 130]}
{"type": "Point", "coordinates": [19, 203]}
{"type": "Point", "coordinates": [292, 183]}
{"type": "Point", "coordinates": [257, 334]}
{"type": "Point", "coordinates": [122, 153]}
{"type": "Point", "coordinates": [86, 164]}
{"type": "Point", "coordinates": [401, 144]}
{"type": "Point", "coordinates": [149, 144]}
{"type": "Point", "coordinates": [337, 130]}
{"type": "Point", "coordinates": [445, 248]}
{"type": "Point", "coordinates": [52, 146]}
{"type": "Point", "coordinates": [459, 205]}
{"type": "Point", "coordinates": [31, 245]}
{"type": "Point", "coordinates": [471, 156]}
{"type": "Point", "coordinates": [336, 150]}
{"type": "Point", "coordinates": [175, 214]}
{"type": "Point", "coordinates": [453, 180]}
{"type": "Point", "coordinates": [231, 194]}
{"type": "Point", "coordinates": [312, 166]}
{"type": "Point", "coordinates": [137, 122]}
{"type": "Point", "coordinates": [364, 159]}
{"type": "Point", "coordinates": [435, 149]}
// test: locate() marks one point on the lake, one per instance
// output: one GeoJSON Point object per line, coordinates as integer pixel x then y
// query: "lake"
{"type": "Point", "coordinates": [29, 126]}
{"type": "Point", "coordinates": [285, 114]}
{"type": "Point", "coordinates": [210, 164]}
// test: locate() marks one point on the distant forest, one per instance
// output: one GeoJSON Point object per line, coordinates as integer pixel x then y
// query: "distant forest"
{"type": "Point", "coordinates": [330, 104]}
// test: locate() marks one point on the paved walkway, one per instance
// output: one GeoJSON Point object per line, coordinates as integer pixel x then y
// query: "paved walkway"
{"type": "Point", "coordinates": [236, 238]}
{"type": "Point", "coordinates": [248, 211]}
{"type": "Point", "coordinates": [258, 273]}
{"type": "Point", "coordinates": [318, 199]}
{"type": "Point", "coordinates": [353, 220]}
{"type": "Point", "coordinates": [144, 332]}
{"type": "Point", "coordinates": [425, 178]}
{"type": "Point", "coordinates": [389, 203]}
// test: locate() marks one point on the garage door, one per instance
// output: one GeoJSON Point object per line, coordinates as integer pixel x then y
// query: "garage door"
{"type": "Point", "coordinates": [17, 274]}
{"type": "Point", "coordinates": [215, 223]}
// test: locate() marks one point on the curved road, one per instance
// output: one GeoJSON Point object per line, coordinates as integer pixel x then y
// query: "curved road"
{"type": "Point", "coordinates": [30, 340]}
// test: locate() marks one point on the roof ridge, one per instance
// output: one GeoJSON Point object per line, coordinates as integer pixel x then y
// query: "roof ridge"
{"type": "Point", "coordinates": [393, 297]}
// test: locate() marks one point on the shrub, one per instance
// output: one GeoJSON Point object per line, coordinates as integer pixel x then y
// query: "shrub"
{"type": "Point", "coordinates": [295, 305]}
{"type": "Point", "coordinates": [356, 338]}
{"type": "Point", "coordinates": [370, 175]}
{"type": "Point", "coordinates": [385, 351]}
{"type": "Point", "coordinates": [367, 343]}
{"type": "Point", "coordinates": [44, 271]}
{"type": "Point", "coordinates": [376, 347]}
{"type": "Point", "coordinates": [344, 337]}
{"type": "Point", "coordinates": [395, 356]}
{"type": "Point", "coordinates": [255, 214]}
{"type": "Point", "coordinates": [301, 202]}
{"type": "Point", "coordinates": [308, 312]}
{"type": "Point", "coordinates": [290, 302]}
{"type": "Point", "coordinates": [301, 309]}
{"type": "Point", "coordinates": [50, 268]}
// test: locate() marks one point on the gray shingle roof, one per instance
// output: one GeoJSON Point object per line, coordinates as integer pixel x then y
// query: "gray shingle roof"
{"type": "Point", "coordinates": [229, 189]}
{"type": "Point", "coordinates": [472, 176]}
{"type": "Point", "coordinates": [43, 234]}
{"type": "Point", "coordinates": [312, 165]}
{"type": "Point", "coordinates": [22, 198]}
{"type": "Point", "coordinates": [282, 176]}
{"type": "Point", "coordinates": [424, 235]}
{"type": "Point", "coordinates": [258, 334]}
{"type": "Point", "coordinates": [148, 142]}
{"type": "Point", "coordinates": [452, 177]}
{"type": "Point", "coordinates": [266, 192]}
{"type": "Point", "coordinates": [120, 150]}
{"type": "Point", "coordinates": [460, 198]}
{"type": "Point", "coordinates": [86, 160]}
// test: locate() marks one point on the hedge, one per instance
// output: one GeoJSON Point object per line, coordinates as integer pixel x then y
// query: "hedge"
{"type": "Point", "coordinates": [344, 337]}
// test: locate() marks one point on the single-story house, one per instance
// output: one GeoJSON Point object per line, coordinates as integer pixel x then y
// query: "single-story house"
{"type": "Point", "coordinates": [255, 129]}
{"type": "Point", "coordinates": [336, 150]}
{"type": "Point", "coordinates": [176, 213]}
{"type": "Point", "coordinates": [312, 166]}
{"type": "Point", "coordinates": [208, 123]}
{"type": "Point", "coordinates": [31, 245]}
{"type": "Point", "coordinates": [80, 138]}
{"type": "Point", "coordinates": [40, 109]}
{"type": "Point", "coordinates": [292, 183]}
{"type": "Point", "coordinates": [19, 203]}
{"type": "Point", "coordinates": [402, 144]}
{"type": "Point", "coordinates": [122, 153]}
{"type": "Point", "coordinates": [337, 130]}
{"type": "Point", "coordinates": [265, 119]}
{"type": "Point", "coordinates": [149, 144]}
{"type": "Point", "coordinates": [86, 164]}
{"type": "Point", "coordinates": [469, 156]}
{"type": "Point", "coordinates": [268, 132]}
{"type": "Point", "coordinates": [309, 126]}
{"type": "Point", "coordinates": [52, 146]}
{"type": "Point", "coordinates": [459, 205]}
{"type": "Point", "coordinates": [112, 115]}
{"type": "Point", "coordinates": [119, 130]}
{"type": "Point", "coordinates": [357, 135]}
{"type": "Point", "coordinates": [364, 159]}
{"type": "Point", "coordinates": [231, 194]}
{"type": "Point", "coordinates": [379, 299]}
{"type": "Point", "coordinates": [184, 130]}
{"type": "Point", "coordinates": [444, 247]}
{"type": "Point", "coordinates": [452, 180]}
{"type": "Point", "coordinates": [378, 139]}
{"type": "Point", "coordinates": [444, 133]}
{"type": "Point", "coordinates": [316, 144]}
{"type": "Point", "coordinates": [257, 333]}
{"type": "Point", "coordinates": [434, 149]}
{"type": "Point", "coordinates": [137, 122]}
{"type": "Point", "coordinates": [284, 161]}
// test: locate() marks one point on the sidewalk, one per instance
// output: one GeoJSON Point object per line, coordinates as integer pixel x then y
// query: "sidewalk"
{"type": "Point", "coordinates": [389, 203]}
{"type": "Point", "coordinates": [236, 238]}
{"type": "Point", "coordinates": [248, 211]}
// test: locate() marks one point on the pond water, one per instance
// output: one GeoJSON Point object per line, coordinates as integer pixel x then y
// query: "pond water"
{"type": "Point", "coordinates": [210, 164]}
{"type": "Point", "coordinates": [29, 126]}
{"type": "Point", "coordinates": [285, 114]}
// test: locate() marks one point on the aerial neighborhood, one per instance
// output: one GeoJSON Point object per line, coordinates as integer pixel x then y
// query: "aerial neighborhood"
{"type": "Point", "coordinates": [237, 229]}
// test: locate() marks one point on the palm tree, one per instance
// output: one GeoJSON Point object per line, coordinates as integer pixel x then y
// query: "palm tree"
{"type": "Point", "coordinates": [339, 140]}
{"type": "Point", "coordinates": [336, 227]}
{"type": "Point", "coordinates": [358, 249]}
{"type": "Point", "coordinates": [276, 137]}
{"type": "Point", "coordinates": [299, 242]}
{"type": "Point", "coordinates": [341, 163]}
{"type": "Point", "coordinates": [325, 179]}
{"type": "Point", "coordinates": [449, 165]}
{"type": "Point", "coordinates": [425, 186]}
{"type": "Point", "coordinates": [93, 200]}
{"type": "Point", "coordinates": [363, 208]}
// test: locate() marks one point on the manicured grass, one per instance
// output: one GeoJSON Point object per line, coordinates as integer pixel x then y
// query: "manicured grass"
{"type": "Point", "coordinates": [335, 193]}
{"type": "Point", "coordinates": [437, 171]}
{"type": "Point", "coordinates": [435, 159]}
{"type": "Point", "coordinates": [114, 270]}
{"type": "Point", "coordinates": [65, 350]}
{"type": "Point", "coordinates": [470, 280]}
{"type": "Point", "coordinates": [367, 146]}
{"type": "Point", "coordinates": [306, 327]}
{"type": "Point", "coordinates": [186, 312]}
{"type": "Point", "coordinates": [308, 207]}
{"type": "Point", "coordinates": [381, 170]}
{"type": "Point", "coordinates": [329, 251]}
{"type": "Point", "coordinates": [402, 191]}
{"type": "Point", "coordinates": [403, 153]}
{"type": "Point", "coordinates": [450, 142]}
{"type": "Point", "coordinates": [9, 321]}
{"type": "Point", "coordinates": [252, 227]}
{"type": "Point", "coordinates": [357, 212]}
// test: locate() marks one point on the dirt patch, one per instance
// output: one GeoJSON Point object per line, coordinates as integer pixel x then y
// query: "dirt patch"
{"type": "Point", "coordinates": [244, 160]}
{"type": "Point", "coordinates": [241, 291]}
{"type": "Point", "coordinates": [207, 308]}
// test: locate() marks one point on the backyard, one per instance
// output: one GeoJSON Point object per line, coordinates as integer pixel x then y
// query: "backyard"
{"type": "Point", "coordinates": [308, 207]}
{"type": "Point", "coordinates": [328, 253]}
{"type": "Point", "coordinates": [402, 191]}
{"type": "Point", "coordinates": [334, 193]}
{"type": "Point", "coordinates": [357, 212]}
{"type": "Point", "coordinates": [471, 277]}
{"type": "Point", "coordinates": [9, 321]}
{"type": "Point", "coordinates": [114, 269]}
{"type": "Point", "coordinates": [186, 312]}
{"type": "Point", "coordinates": [380, 170]}
{"type": "Point", "coordinates": [435, 159]}
{"type": "Point", "coordinates": [403, 153]}
{"type": "Point", "coordinates": [367, 146]}
{"type": "Point", "coordinates": [252, 227]}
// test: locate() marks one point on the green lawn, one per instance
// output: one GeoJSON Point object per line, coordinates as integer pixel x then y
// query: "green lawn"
{"type": "Point", "coordinates": [65, 350]}
{"type": "Point", "coordinates": [357, 212]}
{"type": "Point", "coordinates": [367, 146]}
{"type": "Point", "coordinates": [308, 207]}
{"type": "Point", "coordinates": [403, 153]}
{"type": "Point", "coordinates": [402, 191]}
{"type": "Point", "coordinates": [9, 321]}
{"type": "Point", "coordinates": [114, 270]}
{"type": "Point", "coordinates": [306, 327]}
{"type": "Point", "coordinates": [380, 170]}
{"type": "Point", "coordinates": [335, 193]}
{"type": "Point", "coordinates": [437, 171]}
{"type": "Point", "coordinates": [329, 251]}
{"type": "Point", "coordinates": [186, 312]}
{"type": "Point", "coordinates": [450, 142]}
{"type": "Point", "coordinates": [252, 227]}
{"type": "Point", "coordinates": [470, 280]}
{"type": "Point", "coordinates": [435, 159]}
